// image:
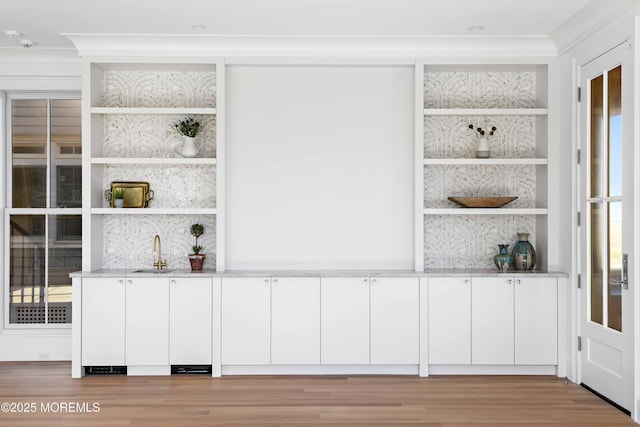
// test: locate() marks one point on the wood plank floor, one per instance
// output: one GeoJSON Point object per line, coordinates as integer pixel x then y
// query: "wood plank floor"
{"type": "Point", "coordinates": [291, 400]}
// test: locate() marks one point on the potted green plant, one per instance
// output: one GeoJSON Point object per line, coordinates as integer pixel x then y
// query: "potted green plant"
{"type": "Point", "coordinates": [189, 128]}
{"type": "Point", "coordinates": [196, 258]}
{"type": "Point", "coordinates": [118, 197]}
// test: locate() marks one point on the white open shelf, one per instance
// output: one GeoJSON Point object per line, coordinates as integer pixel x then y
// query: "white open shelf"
{"type": "Point", "coordinates": [153, 211]}
{"type": "Point", "coordinates": [485, 211]}
{"type": "Point", "coordinates": [531, 161]}
{"type": "Point", "coordinates": [153, 161]}
{"type": "Point", "coordinates": [485, 111]}
{"type": "Point", "coordinates": [151, 110]}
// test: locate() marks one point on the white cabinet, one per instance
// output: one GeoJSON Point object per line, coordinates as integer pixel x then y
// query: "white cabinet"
{"type": "Point", "coordinates": [370, 320]}
{"type": "Point", "coordinates": [295, 320]}
{"type": "Point", "coordinates": [311, 321]}
{"type": "Point", "coordinates": [140, 321]}
{"type": "Point", "coordinates": [502, 320]}
{"type": "Point", "coordinates": [449, 321]}
{"type": "Point", "coordinates": [147, 324]}
{"type": "Point", "coordinates": [246, 321]}
{"type": "Point", "coordinates": [395, 320]}
{"type": "Point", "coordinates": [536, 321]}
{"type": "Point", "coordinates": [492, 328]}
{"type": "Point", "coordinates": [515, 321]}
{"type": "Point", "coordinates": [344, 319]}
{"type": "Point", "coordinates": [103, 322]}
{"type": "Point", "coordinates": [190, 321]}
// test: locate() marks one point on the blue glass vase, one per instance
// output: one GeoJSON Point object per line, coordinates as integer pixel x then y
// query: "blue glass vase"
{"type": "Point", "coordinates": [524, 256]}
{"type": "Point", "coordinates": [503, 259]}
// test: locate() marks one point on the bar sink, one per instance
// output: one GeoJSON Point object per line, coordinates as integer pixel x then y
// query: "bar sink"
{"type": "Point", "coordinates": [152, 271]}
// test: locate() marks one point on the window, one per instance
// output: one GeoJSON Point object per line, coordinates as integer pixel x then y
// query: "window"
{"type": "Point", "coordinates": [44, 215]}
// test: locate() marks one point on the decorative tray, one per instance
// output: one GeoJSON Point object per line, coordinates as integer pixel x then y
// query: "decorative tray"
{"type": "Point", "coordinates": [482, 202]}
{"type": "Point", "coordinates": [137, 194]}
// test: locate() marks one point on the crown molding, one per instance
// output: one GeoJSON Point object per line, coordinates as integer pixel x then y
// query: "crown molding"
{"type": "Point", "coordinates": [15, 54]}
{"type": "Point", "coordinates": [592, 19]}
{"type": "Point", "coordinates": [21, 66]}
{"type": "Point", "coordinates": [310, 46]}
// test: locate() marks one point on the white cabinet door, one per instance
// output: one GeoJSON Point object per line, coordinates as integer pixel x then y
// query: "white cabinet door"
{"type": "Point", "coordinates": [344, 319]}
{"type": "Point", "coordinates": [295, 320]}
{"type": "Point", "coordinates": [246, 317]}
{"type": "Point", "coordinates": [449, 321]}
{"type": "Point", "coordinates": [147, 325]}
{"type": "Point", "coordinates": [492, 340]}
{"type": "Point", "coordinates": [536, 321]}
{"type": "Point", "coordinates": [103, 317]}
{"type": "Point", "coordinates": [395, 320]}
{"type": "Point", "coordinates": [190, 321]}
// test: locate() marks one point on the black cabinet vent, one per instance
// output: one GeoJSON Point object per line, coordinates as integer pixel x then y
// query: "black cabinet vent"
{"type": "Point", "coordinates": [191, 370]}
{"type": "Point", "coordinates": [105, 370]}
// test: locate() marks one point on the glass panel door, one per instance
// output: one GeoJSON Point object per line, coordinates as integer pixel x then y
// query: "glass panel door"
{"type": "Point", "coordinates": [606, 237]}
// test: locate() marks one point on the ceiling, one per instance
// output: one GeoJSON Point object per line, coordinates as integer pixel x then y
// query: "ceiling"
{"type": "Point", "coordinates": [43, 21]}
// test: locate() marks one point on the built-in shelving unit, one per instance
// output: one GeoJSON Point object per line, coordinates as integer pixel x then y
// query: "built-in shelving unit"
{"type": "Point", "coordinates": [129, 108]}
{"type": "Point", "coordinates": [513, 98]}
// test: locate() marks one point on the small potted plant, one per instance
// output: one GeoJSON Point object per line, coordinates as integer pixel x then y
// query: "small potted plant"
{"type": "Point", "coordinates": [118, 197]}
{"type": "Point", "coordinates": [196, 258]}
{"type": "Point", "coordinates": [189, 128]}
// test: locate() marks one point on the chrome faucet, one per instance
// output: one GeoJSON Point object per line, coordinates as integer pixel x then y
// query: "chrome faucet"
{"type": "Point", "coordinates": [157, 248]}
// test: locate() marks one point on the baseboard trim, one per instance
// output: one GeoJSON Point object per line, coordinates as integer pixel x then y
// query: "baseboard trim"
{"type": "Point", "coordinates": [492, 370]}
{"type": "Point", "coordinates": [320, 370]}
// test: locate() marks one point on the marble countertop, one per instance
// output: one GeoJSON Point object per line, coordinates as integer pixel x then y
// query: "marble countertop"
{"type": "Point", "coordinates": [443, 272]}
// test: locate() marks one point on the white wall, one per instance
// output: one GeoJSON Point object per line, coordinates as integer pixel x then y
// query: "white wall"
{"type": "Point", "coordinates": [320, 167]}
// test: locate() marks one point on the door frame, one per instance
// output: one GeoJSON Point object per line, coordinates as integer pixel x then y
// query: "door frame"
{"type": "Point", "coordinates": [578, 62]}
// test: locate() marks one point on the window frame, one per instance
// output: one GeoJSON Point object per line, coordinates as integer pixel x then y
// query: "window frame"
{"type": "Point", "coordinates": [47, 211]}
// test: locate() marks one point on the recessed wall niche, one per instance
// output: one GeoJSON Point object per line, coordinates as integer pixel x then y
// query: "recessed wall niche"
{"type": "Point", "coordinates": [512, 98]}
{"type": "Point", "coordinates": [133, 107]}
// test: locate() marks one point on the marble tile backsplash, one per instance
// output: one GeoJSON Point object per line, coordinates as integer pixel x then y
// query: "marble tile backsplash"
{"type": "Point", "coordinates": [480, 89]}
{"type": "Point", "coordinates": [471, 241]}
{"type": "Point", "coordinates": [442, 181]}
{"type": "Point", "coordinates": [450, 136]}
{"type": "Point", "coordinates": [170, 89]}
{"type": "Point", "coordinates": [150, 135]}
{"type": "Point", "coordinates": [174, 186]}
{"type": "Point", "coordinates": [128, 240]}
